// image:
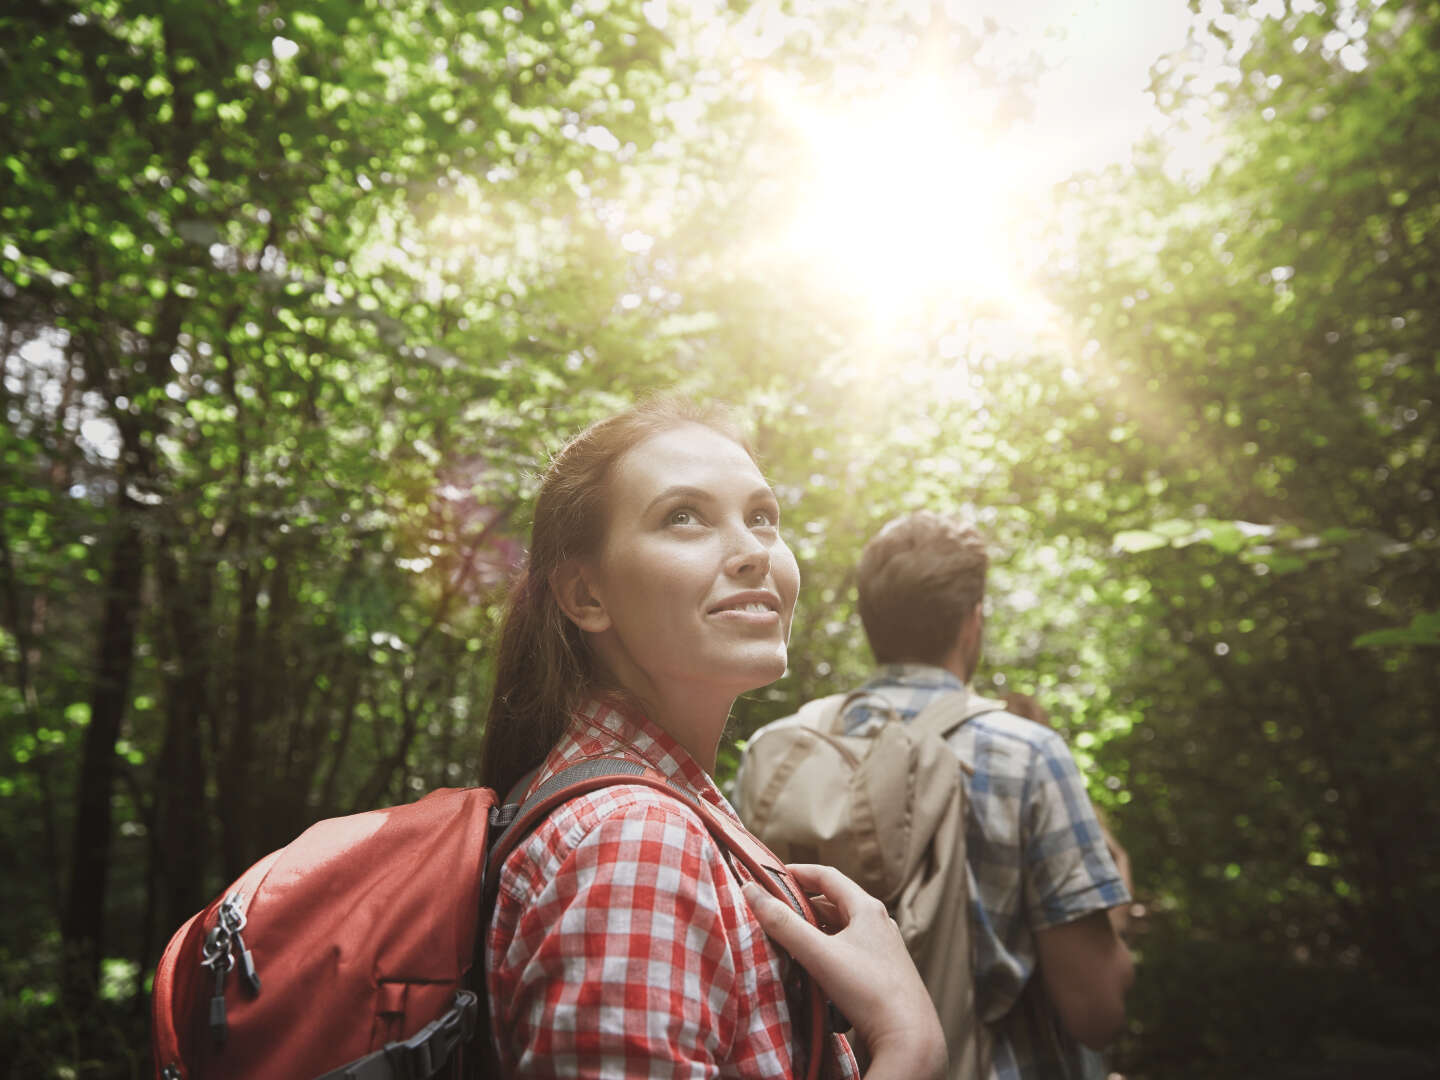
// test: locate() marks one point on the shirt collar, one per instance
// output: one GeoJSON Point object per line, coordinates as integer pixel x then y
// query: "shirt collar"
{"type": "Point", "coordinates": [608, 729]}
{"type": "Point", "coordinates": [916, 675]}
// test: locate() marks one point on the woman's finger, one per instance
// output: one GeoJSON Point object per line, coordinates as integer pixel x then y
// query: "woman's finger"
{"type": "Point", "coordinates": [826, 913]}
{"type": "Point", "coordinates": [827, 881]}
{"type": "Point", "coordinates": [848, 898]}
{"type": "Point", "coordinates": [781, 922]}
{"type": "Point", "coordinates": [862, 966]}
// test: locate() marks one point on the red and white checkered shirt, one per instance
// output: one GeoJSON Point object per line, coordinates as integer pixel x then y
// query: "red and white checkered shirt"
{"type": "Point", "coordinates": [621, 944]}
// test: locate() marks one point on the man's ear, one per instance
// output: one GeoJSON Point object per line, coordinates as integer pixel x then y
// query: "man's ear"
{"type": "Point", "coordinates": [964, 655]}
{"type": "Point", "coordinates": [972, 635]}
{"type": "Point", "coordinates": [571, 585]}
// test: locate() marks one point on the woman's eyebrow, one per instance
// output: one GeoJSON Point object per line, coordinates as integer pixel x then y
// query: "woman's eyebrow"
{"type": "Point", "coordinates": [679, 491]}
{"type": "Point", "coordinates": [763, 493]}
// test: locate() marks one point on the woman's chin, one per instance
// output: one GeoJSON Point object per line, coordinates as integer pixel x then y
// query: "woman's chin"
{"type": "Point", "coordinates": [765, 670]}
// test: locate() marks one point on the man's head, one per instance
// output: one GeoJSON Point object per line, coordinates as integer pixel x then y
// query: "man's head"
{"type": "Point", "coordinates": [921, 580]}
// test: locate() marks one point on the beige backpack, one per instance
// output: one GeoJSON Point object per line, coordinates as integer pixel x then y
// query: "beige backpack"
{"type": "Point", "coordinates": [887, 807]}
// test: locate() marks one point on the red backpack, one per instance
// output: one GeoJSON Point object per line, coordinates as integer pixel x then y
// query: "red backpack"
{"type": "Point", "coordinates": [356, 952]}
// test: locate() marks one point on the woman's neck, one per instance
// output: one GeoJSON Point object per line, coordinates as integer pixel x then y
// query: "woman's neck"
{"type": "Point", "coordinates": [696, 720]}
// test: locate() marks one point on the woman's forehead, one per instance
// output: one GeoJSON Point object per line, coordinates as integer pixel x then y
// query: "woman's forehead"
{"type": "Point", "coordinates": [690, 455]}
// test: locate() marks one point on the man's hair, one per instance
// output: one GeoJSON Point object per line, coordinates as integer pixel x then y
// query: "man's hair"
{"type": "Point", "coordinates": [920, 577]}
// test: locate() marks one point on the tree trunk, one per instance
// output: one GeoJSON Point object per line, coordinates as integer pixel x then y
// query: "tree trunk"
{"type": "Point", "coordinates": [82, 923]}
{"type": "Point", "coordinates": [234, 769]}
{"type": "Point", "coordinates": [20, 616]}
{"type": "Point", "coordinates": [181, 812]}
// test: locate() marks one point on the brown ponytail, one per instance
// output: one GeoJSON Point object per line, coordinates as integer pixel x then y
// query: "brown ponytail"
{"type": "Point", "coordinates": [544, 668]}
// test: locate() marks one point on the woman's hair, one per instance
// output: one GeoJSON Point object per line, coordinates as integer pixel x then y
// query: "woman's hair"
{"type": "Point", "coordinates": [544, 668]}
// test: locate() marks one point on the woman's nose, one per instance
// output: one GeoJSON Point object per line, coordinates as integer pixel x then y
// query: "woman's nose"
{"type": "Point", "coordinates": [750, 559]}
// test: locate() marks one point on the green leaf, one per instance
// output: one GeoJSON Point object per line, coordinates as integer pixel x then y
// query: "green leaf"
{"type": "Point", "coordinates": [1137, 540]}
{"type": "Point", "coordinates": [1424, 629]}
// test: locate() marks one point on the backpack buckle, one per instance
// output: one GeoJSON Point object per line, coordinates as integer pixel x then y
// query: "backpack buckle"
{"type": "Point", "coordinates": [426, 1052]}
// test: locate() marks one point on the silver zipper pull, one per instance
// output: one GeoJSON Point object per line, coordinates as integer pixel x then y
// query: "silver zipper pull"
{"type": "Point", "coordinates": [232, 917]}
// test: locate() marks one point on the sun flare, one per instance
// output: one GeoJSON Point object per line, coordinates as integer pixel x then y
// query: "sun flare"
{"type": "Point", "coordinates": [908, 204]}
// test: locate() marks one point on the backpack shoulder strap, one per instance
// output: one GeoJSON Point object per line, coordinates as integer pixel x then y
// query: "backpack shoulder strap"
{"type": "Point", "coordinates": [772, 875]}
{"type": "Point", "coordinates": [425, 1053]}
{"type": "Point", "coordinates": [945, 715]}
{"type": "Point", "coordinates": [513, 823]}
{"type": "Point", "coordinates": [819, 714]}
{"type": "Point", "coordinates": [854, 697]}
{"type": "Point", "coordinates": [827, 714]}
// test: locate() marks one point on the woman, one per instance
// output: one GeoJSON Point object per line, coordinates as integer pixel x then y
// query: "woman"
{"type": "Point", "coordinates": [623, 942]}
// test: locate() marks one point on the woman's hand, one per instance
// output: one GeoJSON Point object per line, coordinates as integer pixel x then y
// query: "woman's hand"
{"type": "Point", "coordinates": [863, 966]}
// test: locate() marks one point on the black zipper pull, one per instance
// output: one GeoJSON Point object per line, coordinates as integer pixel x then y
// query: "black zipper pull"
{"type": "Point", "coordinates": [218, 1027]}
{"type": "Point", "coordinates": [248, 974]}
{"type": "Point", "coordinates": [215, 955]}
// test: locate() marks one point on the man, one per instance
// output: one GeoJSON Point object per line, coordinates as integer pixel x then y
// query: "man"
{"type": "Point", "coordinates": [1050, 973]}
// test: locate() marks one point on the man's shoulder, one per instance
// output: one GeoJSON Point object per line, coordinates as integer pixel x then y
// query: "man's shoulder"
{"type": "Point", "coordinates": [812, 713]}
{"type": "Point", "coordinates": [1001, 744]}
{"type": "Point", "coordinates": [1001, 729]}
{"type": "Point", "coordinates": [999, 724]}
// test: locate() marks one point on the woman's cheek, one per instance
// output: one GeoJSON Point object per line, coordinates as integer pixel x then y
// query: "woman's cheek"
{"type": "Point", "coordinates": [789, 589]}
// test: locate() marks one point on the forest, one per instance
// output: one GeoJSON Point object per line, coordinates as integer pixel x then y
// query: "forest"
{"type": "Point", "coordinates": [296, 300]}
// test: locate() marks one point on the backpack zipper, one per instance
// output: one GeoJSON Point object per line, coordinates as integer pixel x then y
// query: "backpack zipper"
{"type": "Point", "coordinates": [217, 955]}
{"type": "Point", "coordinates": [232, 917]}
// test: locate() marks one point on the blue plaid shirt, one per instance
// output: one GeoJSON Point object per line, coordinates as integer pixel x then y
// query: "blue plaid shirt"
{"type": "Point", "coordinates": [1037, 859]}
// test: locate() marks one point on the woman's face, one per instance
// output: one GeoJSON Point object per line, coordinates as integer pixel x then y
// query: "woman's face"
{"type": "Point", "coordinates": [694, 588]}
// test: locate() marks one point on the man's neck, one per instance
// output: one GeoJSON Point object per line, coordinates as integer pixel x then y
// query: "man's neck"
{"type": "Point", "coordinates": [927, 665]}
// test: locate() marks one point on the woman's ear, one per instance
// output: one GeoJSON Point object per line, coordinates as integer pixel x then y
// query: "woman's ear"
{"type": "Point", "coordinates": [571, 585]}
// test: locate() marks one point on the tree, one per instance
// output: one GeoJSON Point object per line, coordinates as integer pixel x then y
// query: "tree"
{"type": "Point", "coordinates": [1265, 341]}
{"type": "Point", "coordinates": [211, 240]}
{"type": "Point", "coordinates": [294, 302]}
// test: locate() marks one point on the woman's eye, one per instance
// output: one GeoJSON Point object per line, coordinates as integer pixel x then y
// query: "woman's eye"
{"type": "Point", "coordinates": [681, 516]}
{"type": "Point", "coordinates": [762, 519]}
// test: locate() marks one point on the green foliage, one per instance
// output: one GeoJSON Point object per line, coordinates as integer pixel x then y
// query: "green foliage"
{"type": "Point", "coordinates": [1271, 1021]}
{"type": "Point", "coordinates": [1267, 355]}
{"type": "Point", "coordinates": [1424, 629]}
{"type": "Point", "coordinates": [295, 303]}
{"type": "Point", "coordinates": [241, 259]}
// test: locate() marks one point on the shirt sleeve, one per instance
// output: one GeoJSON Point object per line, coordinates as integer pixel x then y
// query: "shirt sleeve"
{"type": "Point", "coordinates": [639, 958]}
{"type": "Point", "coordinates": [1069, 872]}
